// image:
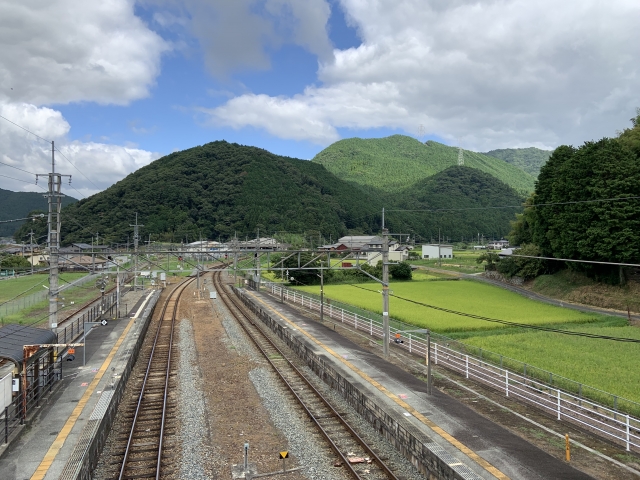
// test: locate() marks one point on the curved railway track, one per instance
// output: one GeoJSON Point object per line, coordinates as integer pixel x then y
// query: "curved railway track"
{"type": "Point", "coordinates": [343, 440]}
{"type": "Point", "coordinates": [143, 455]}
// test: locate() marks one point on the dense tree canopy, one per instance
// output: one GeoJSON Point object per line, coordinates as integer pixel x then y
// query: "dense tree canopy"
{"type": "Point", "coordinates": [572, 215]}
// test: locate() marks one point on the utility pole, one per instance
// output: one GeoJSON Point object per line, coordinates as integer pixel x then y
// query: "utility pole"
{"type": "Point", "coordinates": [385, 289]}
{"type": "Point", "coordinates": [54, 197]}
{"type": "Point", "coordinates": [31, 247]}
{"type": "Point", "coordinates": [258, 257]}
{"type": "Point", "coordinates": [321, 293]}
{"type": "Point", "coordinates": [135, 254]}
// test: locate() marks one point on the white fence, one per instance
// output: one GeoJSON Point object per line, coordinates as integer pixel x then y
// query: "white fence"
{"type": "Point", "coordinates": [619, 427]}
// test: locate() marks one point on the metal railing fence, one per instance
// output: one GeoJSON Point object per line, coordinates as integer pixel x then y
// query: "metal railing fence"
{"type": "Point", "coordinates": [608, 415]}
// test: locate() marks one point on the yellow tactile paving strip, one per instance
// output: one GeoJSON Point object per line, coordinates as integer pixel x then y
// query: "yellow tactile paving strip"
{"type": "Point", "coordinates": [57, 444]}
{"type": "Point", "coordinates": [435, 428]}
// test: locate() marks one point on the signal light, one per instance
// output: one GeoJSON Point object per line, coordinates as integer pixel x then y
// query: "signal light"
{"type": "Point", "coordinates": [71, 358]}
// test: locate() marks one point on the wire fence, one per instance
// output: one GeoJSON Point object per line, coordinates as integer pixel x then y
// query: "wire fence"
{"type": "Point", "coordinates": [27, 301]}
{"type": "Point", "coordinates": [606, 414]}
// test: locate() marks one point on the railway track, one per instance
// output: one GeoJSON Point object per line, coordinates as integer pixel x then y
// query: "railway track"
{"type": "Point", "coordinates": [149, 412]}
{"type": "Point", "coordinates": [354, 453]}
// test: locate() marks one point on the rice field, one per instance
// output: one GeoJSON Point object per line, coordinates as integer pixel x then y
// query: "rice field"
{"type": "Point", "coordinates": [603, 364]}
{"type": "Point", "coordinates": [464, 296]}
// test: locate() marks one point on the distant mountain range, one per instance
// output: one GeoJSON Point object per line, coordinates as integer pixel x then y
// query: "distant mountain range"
{"type": "Point", "coordinates": [18, 205]}
{"type": "Point", "coordinates": [397, 162]}
{"type": "Point", "coordinates": [528, 159]}
{"type": "Point", "coordinates": [220, 189]}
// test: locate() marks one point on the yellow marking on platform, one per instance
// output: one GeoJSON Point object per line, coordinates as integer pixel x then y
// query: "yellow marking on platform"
{"type": "Point", "coordinates": [57, 444]}
{"type": "Point", "coordinates": [434, 427]}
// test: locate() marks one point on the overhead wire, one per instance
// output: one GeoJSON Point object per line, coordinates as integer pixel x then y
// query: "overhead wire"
{"type": "Point", "coordinates": [17, 168]}
{"type": "Point", "coordinates": [512, 324]}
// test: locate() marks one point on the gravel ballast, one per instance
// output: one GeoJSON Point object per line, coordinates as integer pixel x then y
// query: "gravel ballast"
{"type": "Point", "coordinates": [192, 411]}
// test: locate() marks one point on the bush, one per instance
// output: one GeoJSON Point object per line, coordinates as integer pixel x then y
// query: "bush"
{"type": "Point", "coordinates": [401, 271]}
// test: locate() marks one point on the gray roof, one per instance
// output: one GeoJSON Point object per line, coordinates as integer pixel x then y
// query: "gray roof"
{"type": "Point", "coordinates": [13, 337]}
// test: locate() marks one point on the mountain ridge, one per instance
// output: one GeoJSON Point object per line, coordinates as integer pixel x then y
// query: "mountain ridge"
{"type": "Point", "coordinates": [398, 161]}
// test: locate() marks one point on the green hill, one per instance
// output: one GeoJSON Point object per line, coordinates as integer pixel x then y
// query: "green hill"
{"type": "Point", "coordinates": [394, 163]}
{"type": "Point", "coordinates": [528, 159]}
{"type": "Point", "coordinates": [454, 189]}
{"type": "Point", "coordinates": [18, 205]}
{"type": "Point", "coordinates": [220, 189]}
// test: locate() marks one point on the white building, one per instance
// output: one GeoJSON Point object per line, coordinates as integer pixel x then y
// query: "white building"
{"type": "Point", "coordinates": [437, 251]}
{"type": "Point", "coordinates": [372, 258]}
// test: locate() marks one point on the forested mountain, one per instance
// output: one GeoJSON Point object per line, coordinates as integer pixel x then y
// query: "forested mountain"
{"type": "Point", "coordinates": [220, 189]}
{"type": "Point", "coordinates": [528, 159]}
{"type": "Point", "coordinates": [456, 197]}
{"type": "Point", "coordinates": [18, 205]}
{"type": "Point", "coordinates": [397, 162]}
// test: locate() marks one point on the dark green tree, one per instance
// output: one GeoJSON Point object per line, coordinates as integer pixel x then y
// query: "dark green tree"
{"type": "Point", "coordinates": [401, 271]}
{"type": "Point", "coordinates": [302, 276]}
{"type": "Point", "coordinates": [13, 261]}
{"type": "Point", "coordinates": [569, 218]}
{"type": "Point", "coordinates": [490, 258]}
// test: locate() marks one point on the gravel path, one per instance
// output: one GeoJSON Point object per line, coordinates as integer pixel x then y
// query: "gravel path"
{"type": "Point", "coordinates": [192, 411]}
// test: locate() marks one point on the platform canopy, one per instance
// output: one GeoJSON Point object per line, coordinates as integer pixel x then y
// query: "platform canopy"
{"type": "Point", "coordinates": [14, 337]}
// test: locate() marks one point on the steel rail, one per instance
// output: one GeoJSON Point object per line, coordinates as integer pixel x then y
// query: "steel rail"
{"type": "Point", "coordinates": [226, 298]}
{"type": "Point", "coordinates": [177, 294]}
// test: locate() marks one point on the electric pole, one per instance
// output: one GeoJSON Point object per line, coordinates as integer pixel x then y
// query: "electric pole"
{"type": "Point", "coordinates": [135, 254]}
{"type": "Point", "coordinates": [385, 289]}
{"type": "Point", "coordinates": [31, 247]}
{"type": "Point", "coordinates": [54, 198]}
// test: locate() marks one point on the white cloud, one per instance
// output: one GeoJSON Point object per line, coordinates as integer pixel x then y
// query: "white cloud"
{"type": "Point", "coordinates": [62, 51]}
{"type": "Point", "coordinates": [101, 164]}
{"type": "Point", "coordinates": [240, 34]}
{"type": "Point", "coordinates": [487, 74]}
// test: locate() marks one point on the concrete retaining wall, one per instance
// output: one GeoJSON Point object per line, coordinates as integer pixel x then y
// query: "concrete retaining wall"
{"type": "Point", "coordinates": [428, 457]}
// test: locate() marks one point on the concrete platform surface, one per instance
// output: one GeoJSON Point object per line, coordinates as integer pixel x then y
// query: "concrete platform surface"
{"type": "Point", "coordinates": [487, 449]}
{"type": "Point", "coordinates": [43, 447]}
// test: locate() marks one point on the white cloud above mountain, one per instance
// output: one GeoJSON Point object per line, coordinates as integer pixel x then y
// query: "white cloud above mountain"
{"type": "Point", "coordinates": [485, 74]}
{"type": "Point", "coordinates": [63, 51]}
{"type": "Point", "coordinates": [101, 164]}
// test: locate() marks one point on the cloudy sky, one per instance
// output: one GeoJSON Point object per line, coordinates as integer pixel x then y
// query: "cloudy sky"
{"type": "Point", "coordinates": [119, 83]}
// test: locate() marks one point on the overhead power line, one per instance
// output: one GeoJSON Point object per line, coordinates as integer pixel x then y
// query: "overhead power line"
{"type": "Point", "coordinates": [81, 173]}
{"type": "Point", "coordinates": [17, 168]}
{"type": "Point", "coordinates": [25, 129]}
{"type": "Point", "coordinates": [514, 206]}
{"type": "Point", "coordinates": [513, 324]}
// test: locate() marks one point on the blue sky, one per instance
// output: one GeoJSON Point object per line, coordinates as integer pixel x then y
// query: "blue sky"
{"type": "Point", "coordinates": [118, 84]}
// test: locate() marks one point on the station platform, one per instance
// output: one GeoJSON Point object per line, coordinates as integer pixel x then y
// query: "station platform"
{"type": "Point", "coordinates": [46, 444]}
{"type": "Point", "coordinates": [471, 445]}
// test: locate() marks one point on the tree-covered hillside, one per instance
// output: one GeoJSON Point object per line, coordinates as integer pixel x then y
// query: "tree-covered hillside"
{"type": "Point", "coordinates": [457, 197]}
{"type": "Point", "coordinates": [394, 163]}
{"type": "Point", "coordinates": [219, 189]}
{"type": "Point", "coordinates": [579, 211]}
{"type": "Point", "coordinates": [18, 205]}
{"type": "Point", "coordinates": [528, 159]}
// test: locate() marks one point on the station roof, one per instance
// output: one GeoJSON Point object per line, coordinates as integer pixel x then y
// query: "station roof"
{"type": "Point", "coordinates": [14, 337]}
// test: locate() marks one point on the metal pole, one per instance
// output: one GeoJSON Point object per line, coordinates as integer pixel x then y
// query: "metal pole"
{"type": "Point", "coordinates": [118, 290]}
{"type": "Point", "coordinates": [385, 291]}
{"type": "Point", "coordinates": [55, 181]}
{"type": "Point", "coordinates": [84, 347]}
{"type": "Point", "coordinates": [321, 294]}
{"type": "Point", "coordinates": [429, 380]}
